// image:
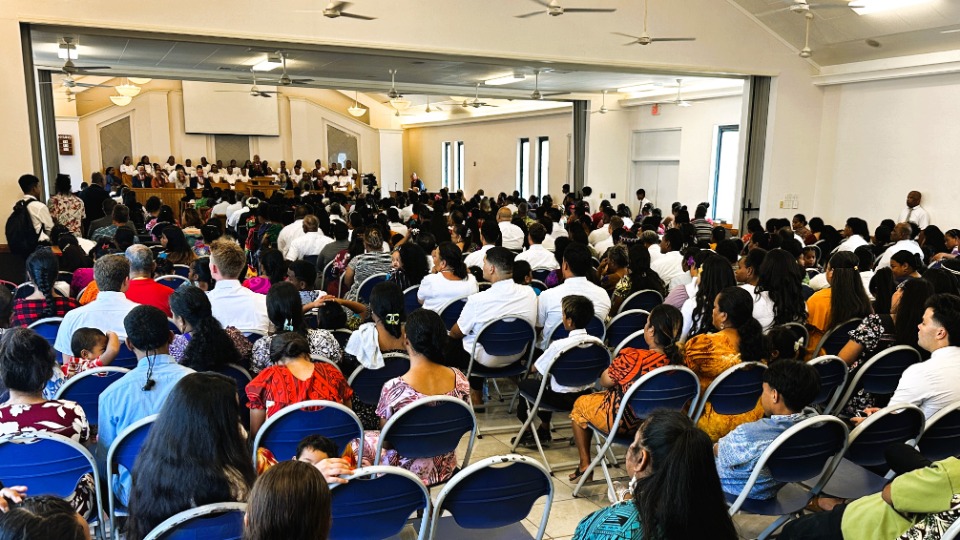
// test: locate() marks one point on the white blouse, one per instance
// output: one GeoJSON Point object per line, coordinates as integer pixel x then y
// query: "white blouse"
{"type": "Point", "coordinates": [436, 291]}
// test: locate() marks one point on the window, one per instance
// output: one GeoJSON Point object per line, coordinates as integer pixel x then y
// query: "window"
{"type": "Point", "coordinates": [459, 174]}
{"type": "Point", "coordinates": [523, 166]}
{"type": "Point", "coordinates": [445, 165]}
{"type": "Point", "coordinates": [543, 166]}
{"type": "Point", "coordinates": [723, 187]}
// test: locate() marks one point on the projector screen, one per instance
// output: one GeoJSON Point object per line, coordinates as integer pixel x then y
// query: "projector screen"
{"type": "Point", "coordinates": [229, 109]}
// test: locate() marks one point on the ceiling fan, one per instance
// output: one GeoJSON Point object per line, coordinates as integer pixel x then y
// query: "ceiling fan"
{"type": "Point", "coordinates": [804, 6]}
{"type": "Point", "coordinates": [678, 101]}
{"type": "Point", "coordinates": [555, 9]}
{"type": "Point", "coordinates": [336, 9]}
{"type": "Point", "coordinates": [806, 51]}
{"type": "Point", "coordinates": [255, 90]}
{"type": "Point", "coordinates": [69, 68]}
{"type": "Point", "coordinates": [285, 79]}
{"type": "Point", "coordinates": [644, 38]}
{"type": "Point", "coordinates": [69, 82]}
{"type": "Point", "coordinates": [476, 103]}
{"type": "Point", "coordinates": [603, 106]}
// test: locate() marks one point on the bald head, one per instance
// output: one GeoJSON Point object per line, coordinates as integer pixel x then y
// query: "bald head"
{"type": "Point", "coordinates": [902, 231]}
{"type": "Point", "coordinates": [504, 214]}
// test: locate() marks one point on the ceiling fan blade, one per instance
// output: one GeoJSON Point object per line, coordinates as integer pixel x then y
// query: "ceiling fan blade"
{"type": "Point", "coordinates": [90, 68]}
{"type": "Point", "coordinates": [589, 10]}
{"type": "Point", "coordinates": [355, 16]}
{"type": "Point", "coordinates": [531, 14]}
{"type": "Point", "coordinates": [834, 6]}
{"type": "Point", "coordinates": [543, 3]}
{"type": "Point", "coordinates": [625, 35]}
{"type": "Point", "coordinates": [338, 6]}
{"type": "Point", "coordinates": [673, 39]}
{"type": "Point", "coordinates": [85, 85]}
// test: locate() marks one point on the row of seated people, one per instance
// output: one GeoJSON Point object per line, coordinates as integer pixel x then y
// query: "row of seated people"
{"type": "Point", "coordinates": [173, 174]}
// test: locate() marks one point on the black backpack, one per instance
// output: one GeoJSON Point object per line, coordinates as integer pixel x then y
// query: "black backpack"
{"type": "Point", "coordinates": [22, 236]}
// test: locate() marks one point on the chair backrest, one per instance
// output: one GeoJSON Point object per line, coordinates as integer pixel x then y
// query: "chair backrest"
{"type": "Point", "coordinates": [125, 358]}
{"type": "Point", "coordinates": [495, 492]}
{"type": "Point", "coordinates": [363, 294]}
{"type": "Point", "coordinates": [625, 324]}
{"type": "Point", "coordinates": [181, 270]}
{"type": "Point", "coordinates": [450, 312]}
{"type": "Point", "coordinates": [735, 391]}
{"type": "Point", "coordinates": [242, 377]}
{"type": "Point", "coordinates": [283, 431]}
{"type": "Point", "coordinates": [368, 383]}
{"type": "Point", "coordinates": [953, 532]}
{"type": "Point", "coordinates": [800, 453]}
{"type": "Point", "coordinates": [881, 374]}
{"type": "Point", "coordinates": [540, 274]}
{"type": "Point", "coordinates": [836, 337]}
{"type": "Point", "coordinates": [595, 328]}
{"type": "Point", "coordinates": [579, 364]}
{"type": "Point", "coordinates": [670, 387]}
{"type": "Point", "coordinates": [941, 434]}
{"type": "Point", "coordinates": [376, 503]}
{"type": "Point", "coordinates": [812, 272]}
{"type": "Point", "coordinates": [506, 337]}
{"type": "Point", "coordinates": [220, 521]}
{"type": "Point", "coordinates": [647, 299]}
{"type": "Point", "coordinates": [311, 260]}
{"type": "Point", "coordinates": [800, 331]}
{"type": "Point", "coordinates": [342, 335]}
{"type": "Point", "coordinates": [325, 274]}
{"type": "Point", "coordinates": [126, 447]}
{"type": "Point", "coordinates": [430, 427]}
{"type": "Point", "coordinates": [172, 280]}
{"type": "Point", "coordinates": [410, 300]}
{"type": "Point", "coordinates": [635, 340]}
{"type": "Point", "coordinates": [251, 335]}
{"type": "Point", "coordinates": [9, 284]}
{"type": "Point", "coordinates": [47, 463]}
{"type": "Point", "coordinates": [85, 389]}
{"type": "Point", "coordinates": [833, 377]}
{"type": "Point", "coordinates": [896, 423]}
{"type": "Point", "coordinates": [47, 328]}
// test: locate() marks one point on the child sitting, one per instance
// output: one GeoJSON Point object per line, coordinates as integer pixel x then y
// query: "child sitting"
{"type": "Point", "coordinates": [809, 259]}
{"type": "Point", "coordinates": [523, 275]}
{"type": "Point", "coordinates": [91, 348]}
{"type": "Point", "coordinates": [315, 448]}
{"type": "Point", "coordinates": [303, 276]}
{"type": "Point", "coordinates": [789, 386]}
{"type": "Point", "coordinates": [782, 343]}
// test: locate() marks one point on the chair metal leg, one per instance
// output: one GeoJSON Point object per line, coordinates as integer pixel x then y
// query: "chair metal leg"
{"type": "Point", "coordinates": [523, 429]}
{"type": "Point", "coordinates": [593, 465]}
{"type": "Point", "coordinates": [775, 525]}
{"type": "Point", "coordinates": [536, 439]}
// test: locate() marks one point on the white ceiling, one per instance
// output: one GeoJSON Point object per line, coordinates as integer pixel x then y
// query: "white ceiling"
{"type": "Point", "coordinates": [839, 36]}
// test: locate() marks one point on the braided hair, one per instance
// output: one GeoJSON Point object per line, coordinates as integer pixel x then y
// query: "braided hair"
{"type": "Point", "coordinates": [42, 270]}
{"type": "Point", "coordinates": [667, 324]}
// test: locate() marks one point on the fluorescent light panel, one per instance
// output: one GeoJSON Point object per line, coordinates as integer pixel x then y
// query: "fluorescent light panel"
{"type": "Point", "coordinates": [269, 64]}
{"type": "Point", "coordinates": [506, 79]}
{"type": "Point", "coordinates": [878, 6]}
{"type": "Point", "coordinates": [62, 52]}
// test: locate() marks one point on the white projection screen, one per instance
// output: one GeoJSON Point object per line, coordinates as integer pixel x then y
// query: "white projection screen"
{"type": "Point", "coordinates": [229, 109]}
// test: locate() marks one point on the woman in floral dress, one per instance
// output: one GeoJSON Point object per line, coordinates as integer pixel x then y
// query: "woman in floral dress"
{"type": "Point", "coordinates": [65, 207]}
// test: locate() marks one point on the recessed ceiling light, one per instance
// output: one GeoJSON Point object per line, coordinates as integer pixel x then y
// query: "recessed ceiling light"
{"type": "Point", "coordinates": [271, 63]}
{"type": "Point", "coordinates": [506, 79]}
{"type": "Point", "coordinates": [877, 6]}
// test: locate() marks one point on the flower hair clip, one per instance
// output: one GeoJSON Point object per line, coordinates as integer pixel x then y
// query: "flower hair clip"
{"type": "Point", "coordinates": [797, 345]}
{"type": "Point", "coordinates": [392, 318]}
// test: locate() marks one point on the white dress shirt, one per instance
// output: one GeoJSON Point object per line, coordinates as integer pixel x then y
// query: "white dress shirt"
{"type": "Point", "coordinates": [763, 306]}
{"type": "Point", "coordinates": [539, 257]}
{"type": "Point", "coordinates": [399, 228]}
{"type": "Point", "coordinates": [603, 245]}
{"type": "Point", "coordinates": [559, 230]}
{"type": "Point", "coordinates": [654, 250]}
{"type": "Point", "coordinates": [307, 245]}
{"type": "Point", "coordinates": [643, 202]}
{"type": "Point", "coordinates": [220, 209]}
{"type": "Point", "coordinates": [686, 309]}
{"type": "Point", "coordinates": [235, 305]}
{"type": "Point", "coordinates": [915, 215]}
{"type": "Point", "coordinates": [406, 213]}
{"type": "Point", "coordinates": [553, 351]}
{"type": "Point", "coordinates": [931, 385]}
{"type": "Point", "coordinates": [436, 290]}
{"type": "Point", "coordinates": [476, 258]}
{"type": "Point", "coordinates": [550, 309]}
{"type": "Point", "coordinates": [288, 234]}
{"type": "Point", "coordinates": [106, 313]}
{"type": "Point", "coordinates": [128, 169]}
{"type": "Point", "coordinates": [598, 235]}
{"type": "Point", "coordinates": [504, 299]}
{"type": "Point", "coordinates": [902, 245]}
{"type": "Point", "coordinates": [40, 215]}
{"type": "Point", "coordinates": [668, 267]}
{"type": "Point", "coordinates": [512, 235]}
{"type": "Point", "coordinates": [851, 243]}
{"type": "Point", "coordinates": [234, 217]}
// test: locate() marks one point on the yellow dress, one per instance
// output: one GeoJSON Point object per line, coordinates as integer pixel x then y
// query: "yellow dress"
{"type": "Point", "coordinates": [709, 355]}
{"type": "Point", "coordinates": [818, 318]}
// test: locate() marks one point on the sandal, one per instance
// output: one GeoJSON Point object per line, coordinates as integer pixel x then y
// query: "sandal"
{"type": "Point", "coordinates": [574, 476]}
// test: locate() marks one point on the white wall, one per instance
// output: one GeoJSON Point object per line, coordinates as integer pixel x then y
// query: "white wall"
{"type": "Point", "coordinates": [72, 165]}
{"type": "Point", "coordinates": [490, 148]}
{"type": "Point", "coordinates": [882, 139]}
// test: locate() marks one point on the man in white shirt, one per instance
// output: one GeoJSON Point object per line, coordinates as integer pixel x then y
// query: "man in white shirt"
{"type": "Point", "coordinates": [902, 242]}
{"type": "Point", "coordinates": [311, 243]}
{"type": "Point", "coordinates": [393, 219]}
{"type": "Point", "coordinates": [231, 177]}
{"type": "Point", "coordinates": [106, 313]}
{"type": "Point", "coordinates": [292, 231]}
{"type": "Point", "coordinates": [601, 247]}
{"type": "Point", "coordinates": [489, 236]}
{"type": "Point", "coordinates": [504, 299]}
{"type": "Point", "coordinates": [914, 213]}
{"type": "Point", "coordinates": [642, 200]}
{"type": "Point", "coordinates": [576, 265]}
{"type": "Point", "coordinates": [233, 218]}
{"type": "Point", "coordinates": [855, 234]}
{"type": "Point", "coordinates": [537, 255]}
{"type": "Point", "coordinates": [652, 242]}
{"type": "Point", "coordinates": [39, 213]}
{"type": "Point", "coordinates": [932, 385]}
{"type": "Point", "coordinates": [222, 207]}
{"type": "Point", "coordinates": [351, 172]}
{"type": "Point", "coordinates": [602, 233]}
{"type": "Point", "coordinates": [592, 201]}
{"type": "Point", "coordinates": [668, 266]}
{"type": "Point", "coordinates": [512, 235]}
{"type": "Point", "coordinates": [233, 304]}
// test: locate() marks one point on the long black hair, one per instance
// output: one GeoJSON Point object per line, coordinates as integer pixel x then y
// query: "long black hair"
{"type": "Point", "coordinates": [196, 436]}
{"type": "Point", "coordinates": [285, 308]}
{"type": "Point", "coordinates": [848, 299]}
{"type": "Point", "coordinates": [427, 334]}
{"type": "Point", "coordinates": [42, 268]}
{"type": "Point", "coordinates": [738, 305]}
{"type": "Point", "coordinates": [910, 309]}
{"type": "Point", "coordinates": [667, 324]}
{"type": "Point", "coordinates": [682, 497]}
{"type": "Point", "coordinates": [641, 275]}
{"type": "Point", "coordinates": [782, 278]}
{"type": "Point", "coordinates": [291, 501]}
{"type": "Point", "coordinates": [414, 261]}
{"type": "Point", "coordinates": [210, 347]}
{"type": "Point", "coordinates": [715, 276]}
{"type": "Point", "coordinates": [449, 253]}
{"type": "Point", "coordinates": [274, 266]}
{"type": "Point", "coordinates": [386, 301]}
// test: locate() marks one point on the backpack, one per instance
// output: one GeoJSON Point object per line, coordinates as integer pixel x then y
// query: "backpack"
{"type": "Point", "coordinates": [22, 236]}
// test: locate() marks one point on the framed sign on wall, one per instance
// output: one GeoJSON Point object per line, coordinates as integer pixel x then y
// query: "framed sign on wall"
{"type": "Point", "coordinates": [65, 145]}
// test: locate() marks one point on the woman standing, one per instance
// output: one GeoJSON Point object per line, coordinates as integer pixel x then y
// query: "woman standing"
{"type": "Point", "coordinates": [65, 207]}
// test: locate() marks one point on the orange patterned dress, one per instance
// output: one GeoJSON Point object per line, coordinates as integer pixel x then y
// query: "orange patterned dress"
{"type": "Point", "coordinates": [818, 318]}
{"type": "Point", "coordinates": [709, 355]}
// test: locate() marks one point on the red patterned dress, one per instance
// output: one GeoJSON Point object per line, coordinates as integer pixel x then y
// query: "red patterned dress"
{"type": "Point", "coordinates": [276, 387]}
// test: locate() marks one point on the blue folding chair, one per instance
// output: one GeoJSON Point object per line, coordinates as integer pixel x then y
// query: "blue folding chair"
{"type": "Point", "coordinates": [864, 464]}
{"type": "Point", "coordinates": [172, 280]}
{"type": "Point", "coordinates": [181, 270]}
{"type": "Point", "coordinates": [595, 328]}
{"type": "Point", "coordinates": [49, 464]}
{"type": "Point", "coordinates": [85, 389]}
{"type": "Point", "coordinates": [833, 377]}
{"type": "Point", "coordinates": [812, 272]}
{"type": "Point", "coordinates": [880, 375]}
{"type": "Point", "coordinates": [430, 427]}
{"type": "Point", "coordinates": [125, 358]}
{"type": "Point", "coordinates": [325, 275]}
{"type": "Point", "coordinates": [410, 300]}
{"type": "Point", "coordinates": [735, 391]}
{"type": "Point", "coordinates": [836, 337]}
{"type": "Point", "coordinates": [941, 434]}
{"type": "Point", "coordinates": [220, 521]}
{"type": "Point", "coordinates": [123, 453]}
{"type": "Point", "coordinates": [367, 384]}
{"type": "Point", "coordinates": [376, 503]}
{"type": "Point", "coordinates": [48, 328]}
{"type": "Point", "coordinates": [625, 325]}
{"type": "Point", "coordinates": [311, 259]}
{"type": "Point", "coordinates": [540, 274]}
{"type": "Point", "coordinates": [647, 299]}
{"type": "Point", "coordinates": [342, 335]}
{"type": "Point", "coordinates": [668, 387]}
{"type": "Point", "coordinates": [953, 532]}
{"type": "Point", "coordinates": [251, 335]}
{"type": "Point", "coordinates": [450, 312]}
{"type": "Point", "coordinates": [805, 451]}
{"type": "Point", "coordinates": [508, 336]}
{"type": "Point", "coordinates": [366, 288]}
{"type": "Point", "coordinates": [493, 493]}
{"type": "Point", "coordinates": [242, 378]}
{"type": "Point", "coordinates": [283, 431]}
{"type": "Point", "coordinates": [579, 364]}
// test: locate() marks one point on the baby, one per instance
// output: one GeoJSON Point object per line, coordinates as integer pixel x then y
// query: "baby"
{"type": "Point", "coordinates": [91, 348]}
